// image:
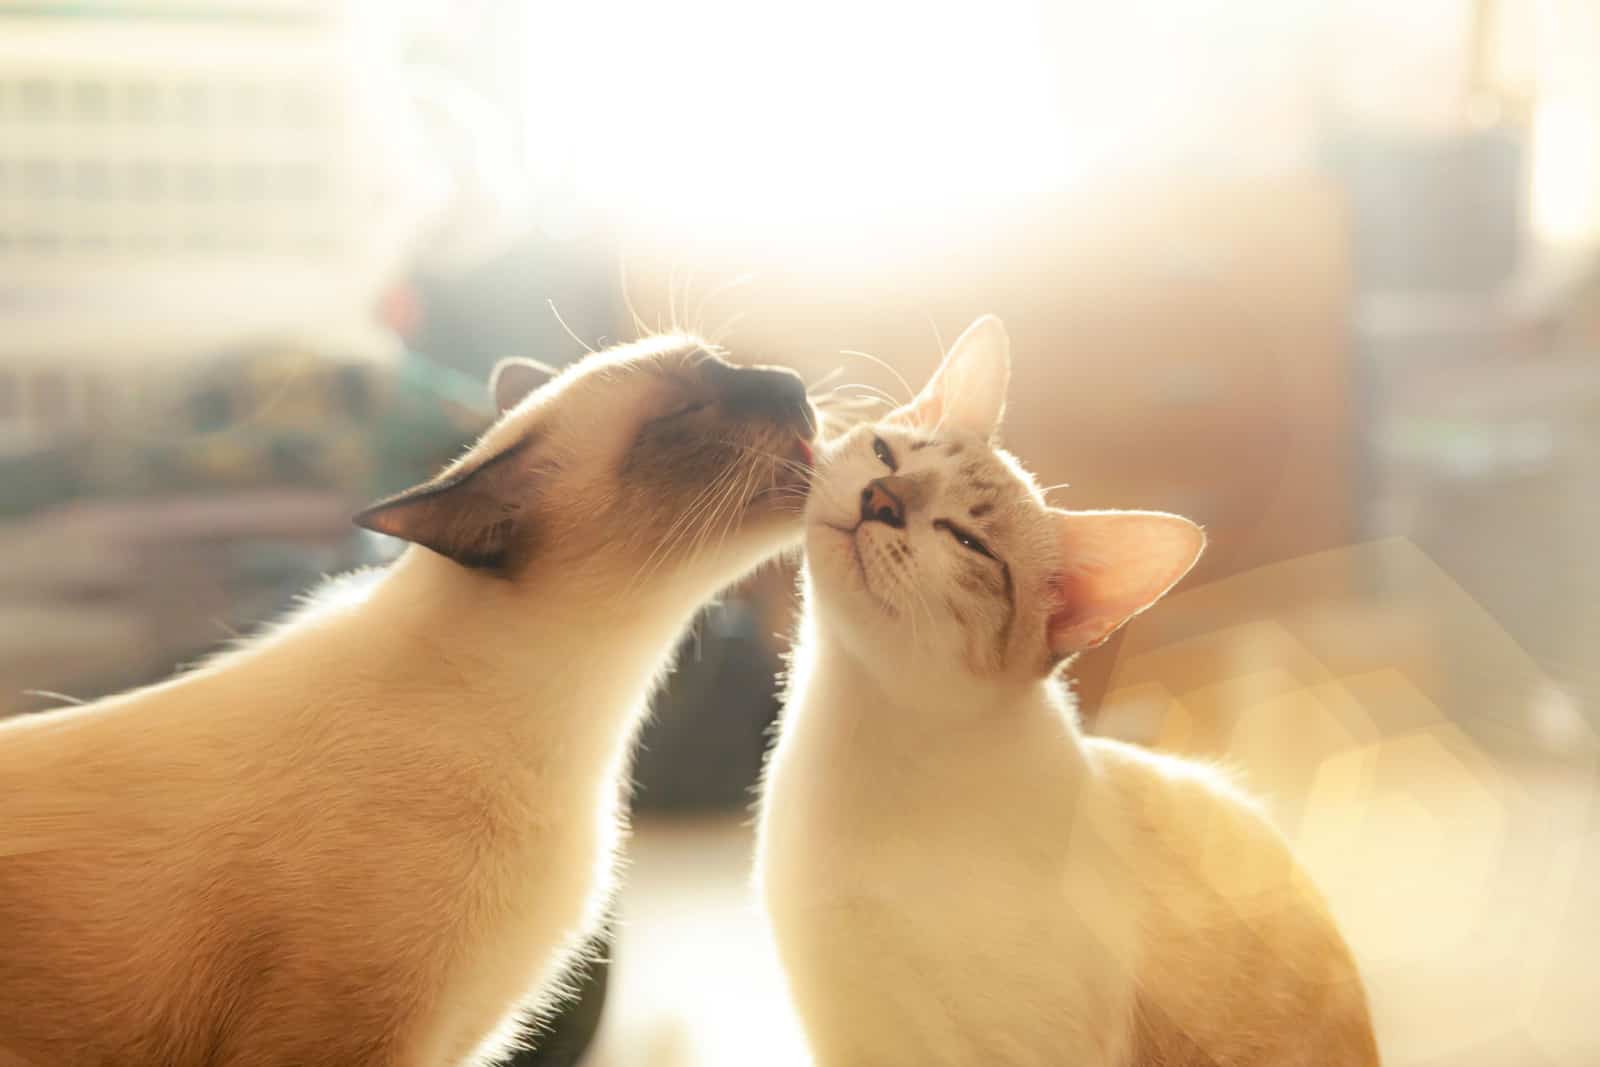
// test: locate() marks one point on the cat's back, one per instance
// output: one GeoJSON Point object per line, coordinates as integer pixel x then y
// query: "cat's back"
{"type": "Point", "coordinates": [1242, 963]}
{"type": "Point", "coordinates": [179, 864]}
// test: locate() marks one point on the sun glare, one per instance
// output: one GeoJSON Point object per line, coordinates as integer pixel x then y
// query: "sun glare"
{"type": "Point", "coordinates": [726, 115]}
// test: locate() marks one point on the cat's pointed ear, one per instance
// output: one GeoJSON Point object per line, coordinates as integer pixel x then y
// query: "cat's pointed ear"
{"type": "Point", "coordinates": [968, 391]}
{"type": "Point", "coordinates": [479, 514]}
{"type": "Point", "coordinates": [514, 378]}
{"type": "Point", "coordinates": [1114, 565]}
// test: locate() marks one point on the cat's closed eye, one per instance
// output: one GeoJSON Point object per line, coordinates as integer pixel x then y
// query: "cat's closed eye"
{"type": "Point", "coordinates": [881, 449]}
{"type": "Point", "coordinates": [963, 538]}
{"type": "Point", "coordinates": [688, 407]}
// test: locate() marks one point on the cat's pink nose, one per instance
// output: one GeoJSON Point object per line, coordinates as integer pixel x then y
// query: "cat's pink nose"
{"type": "Point", "coordinates": [878, 504]}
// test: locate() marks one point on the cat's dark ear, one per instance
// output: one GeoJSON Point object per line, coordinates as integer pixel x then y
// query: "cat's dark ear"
{"type": "Point", "coordinates": [968, 391]}
{"type": "Point", "coordinates": [1114, 564]}
{"type": "Point", "coordinates": [514, 378]}
{"type": "Point", "coordinates": [479, 514]}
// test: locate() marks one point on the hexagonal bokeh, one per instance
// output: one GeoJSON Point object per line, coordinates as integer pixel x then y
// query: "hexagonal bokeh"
{"type": "Point", "coordinates": [1438, 788]}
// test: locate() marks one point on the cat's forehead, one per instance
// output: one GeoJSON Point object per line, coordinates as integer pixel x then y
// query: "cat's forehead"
{"type": "Point", "coordinates": [659, 356]}
{"type": "Point", "coordinates": [969, 464]}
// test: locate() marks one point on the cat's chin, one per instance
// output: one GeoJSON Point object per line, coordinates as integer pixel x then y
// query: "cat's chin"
{"type": "Point", "coordinates": [834, 558]}
{"type": "Point", "coordinates": [838, 571]}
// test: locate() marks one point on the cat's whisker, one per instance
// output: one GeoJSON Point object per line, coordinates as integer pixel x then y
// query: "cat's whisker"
{"type": "Point", "coordinates": [726, 510]}
{"type": "Point", "coordinates": [736, 505]}
{"type": "Point", "coordinates": [686, 520]}
{"type": "Point", "coordinates": [842, 391]}
{"type": "Point", "coordinates": [789, 464]}
{"type": "Point", "coordinates": [824, 379]}
{"type": "Point", "coordinates": [938, 338]}
{"type": "Point", "coordinates": [729, 505]}
{"type": "Point", "coordinates": [910, 392]}
{"type": "Point", "coordinates": [687, 323]}
{"type": "Point", "coordinates": [872, 390]}
{"type": "Point", "coordinates": [717, 290]}
{"type": "Point", "coordinates": [587, 347]}
{"type": "Point", "coordinates": [627, 296]}
{"type": "Point", "coordinates": [846, 402]}
{"type": "Point", "coordinates": [672, 297]}
{"type": "Point", "coordinates": [726, 329]}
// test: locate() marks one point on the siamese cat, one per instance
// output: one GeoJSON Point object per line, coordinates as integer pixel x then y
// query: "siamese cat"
{"type": "Point", "coordinates": [373, 835]}
{"type": "Point", "coordinates": [952, 872]}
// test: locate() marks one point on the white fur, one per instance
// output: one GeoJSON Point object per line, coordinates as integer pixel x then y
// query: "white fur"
{"type": "Point", "coordinates": [953, 874]}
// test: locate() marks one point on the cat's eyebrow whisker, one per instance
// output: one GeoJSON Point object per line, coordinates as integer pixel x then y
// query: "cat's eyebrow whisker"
{"type": "Point", "coordinates": [726, 329]}
{"type": "Point", "coordinates": [938, 338]}
{"type": "Point", "coordinates": [697, 313]}
{"type": "Point", "coordinates": [872, 390]}
{"type": "Point", "coordinates": [824, 379]}
{"type": "Point", "coordinates": [910, 392]}
{"type": "Point", "coordinates": [689, 325]}
{"type": "Point", "coordinates": [639, 325]}
{"type": "Point", "coordinates": [841, 394]}
{"type": "Point", "coordinates": [587, 347]}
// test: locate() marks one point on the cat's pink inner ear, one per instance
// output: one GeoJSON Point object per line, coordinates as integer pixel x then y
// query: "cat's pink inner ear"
{"type": "Point", "coordinates": [968, 391]}
{"type": "Point", "coordinates": [1115, 564]}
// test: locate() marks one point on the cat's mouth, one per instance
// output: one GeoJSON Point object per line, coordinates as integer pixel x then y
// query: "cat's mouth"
{"type": "Point", "coordinates": [856, 567]}
{"type": "Point", "coordinates": [793, 465]}
{"type": "Point", "coordinates": [799, 464]}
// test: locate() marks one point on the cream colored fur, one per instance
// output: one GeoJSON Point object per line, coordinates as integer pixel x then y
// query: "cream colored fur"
{"type": "Point", "coordinates": [952, 872]}
{"type": "Point", "coordinates": [374, 835]}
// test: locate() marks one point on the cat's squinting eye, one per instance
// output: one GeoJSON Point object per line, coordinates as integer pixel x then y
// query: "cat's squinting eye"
{"type": "Point", "coordinates": [688, 408]}
{"type": "Point", "coordinates": [963, 538]}
{"type": "Point", "coordinates": [886, 457]}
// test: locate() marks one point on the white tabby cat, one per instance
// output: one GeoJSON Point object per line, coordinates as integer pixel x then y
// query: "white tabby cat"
{"type": "Point", "coordinates": [373, 835]}
{"type": "Point", "coordinates": [953, 873]}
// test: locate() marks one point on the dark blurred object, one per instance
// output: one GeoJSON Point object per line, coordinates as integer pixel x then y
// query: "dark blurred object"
{"type": "Point", "coordinates": [562, 1041]}
{"type": "Point", "coordinates": [702, 750]}
{"type": "Point", "coordinates": [703, 747]}
{"type": "Point", "coordinates": [1433, 213]}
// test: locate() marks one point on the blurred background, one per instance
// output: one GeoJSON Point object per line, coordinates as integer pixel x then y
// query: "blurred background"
{"type": "Point", "coordinates": [1322, 274]}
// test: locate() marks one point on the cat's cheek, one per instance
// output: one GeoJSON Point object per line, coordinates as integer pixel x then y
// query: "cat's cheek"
{"type": "Point", "coordinates": [832, 555]}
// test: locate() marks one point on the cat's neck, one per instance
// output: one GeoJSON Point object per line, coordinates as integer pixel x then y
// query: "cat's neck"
{"type": "Point", "coordinates": [510, 629]}
{"type": "Point", "coordinates": [527, 663]}
{"type": "Point", "coordinates": [955, 726]}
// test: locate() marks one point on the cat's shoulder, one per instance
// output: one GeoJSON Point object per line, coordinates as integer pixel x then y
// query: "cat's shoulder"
{"type": "Point", "coordinates": [1189, 815]}
{"type": "Point", "coordinates": [1230, 918]}
{"type": "Point", "coordinates": [1144, 776]}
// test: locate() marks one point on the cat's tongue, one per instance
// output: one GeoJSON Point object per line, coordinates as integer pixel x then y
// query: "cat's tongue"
{"type": "Point", "coordinates": [797, 471]}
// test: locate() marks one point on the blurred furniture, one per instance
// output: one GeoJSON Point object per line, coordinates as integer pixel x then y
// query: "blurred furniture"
{"type": "Point", "coordinates": [104, 595]}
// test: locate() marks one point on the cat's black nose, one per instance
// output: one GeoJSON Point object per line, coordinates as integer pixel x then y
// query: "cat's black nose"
{"type": "Point", "coordinates": [879, 504]}
{"type": "Point", "coordinates": [776, 392]}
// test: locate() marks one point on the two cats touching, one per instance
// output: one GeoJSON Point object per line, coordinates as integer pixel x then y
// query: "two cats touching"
{"type": "Point", "coordinates": [378, 833]}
